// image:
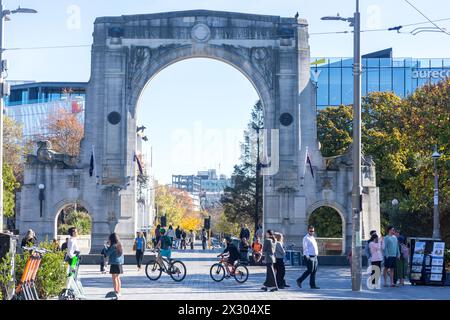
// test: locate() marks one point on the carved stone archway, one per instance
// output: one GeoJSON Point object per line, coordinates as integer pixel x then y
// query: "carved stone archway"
{"type": "Point", "coordinates": [127, 52]}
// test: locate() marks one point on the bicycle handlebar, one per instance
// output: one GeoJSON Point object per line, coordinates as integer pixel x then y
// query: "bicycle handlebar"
{"type": "Point", "coordinates": [36, 249]}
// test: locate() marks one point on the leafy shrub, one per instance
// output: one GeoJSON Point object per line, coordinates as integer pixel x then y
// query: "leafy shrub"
{"type": "Point", "coordinates": [5, 274]}
{"type": "Point", "coordinates": [51, 277]}
{"type": "Point", "coordinates": [80, 220]}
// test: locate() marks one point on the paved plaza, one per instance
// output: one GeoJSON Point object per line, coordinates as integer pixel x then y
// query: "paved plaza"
{"type": "Point", "coordinates": [335, 283]}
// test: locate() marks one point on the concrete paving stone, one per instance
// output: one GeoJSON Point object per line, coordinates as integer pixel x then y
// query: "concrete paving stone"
{"type": "Point", "coordinates": [335, 284]}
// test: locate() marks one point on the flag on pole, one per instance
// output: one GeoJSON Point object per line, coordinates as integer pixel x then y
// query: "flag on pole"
{"type": "Point", "coordinates": [91, 164]}
{"type": "Point", "coordinates": [308, 160]}
{"type": "Point", "coordinates": [136, 158]}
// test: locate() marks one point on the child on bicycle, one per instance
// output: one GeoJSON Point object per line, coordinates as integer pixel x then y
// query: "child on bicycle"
{"type": "Point", "coordinates": [233, 254]}
{"type": "Point", "coordinates": [165, 244]}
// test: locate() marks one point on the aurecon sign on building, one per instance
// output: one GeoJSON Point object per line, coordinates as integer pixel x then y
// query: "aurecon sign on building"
{"type": "Point", "coordinates": [428, 74]}
{"type": "Point", "coordinates": [333, 77]}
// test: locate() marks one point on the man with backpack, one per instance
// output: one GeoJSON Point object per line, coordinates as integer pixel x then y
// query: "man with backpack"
{"type": "Point", "coordinates": [165, 246]}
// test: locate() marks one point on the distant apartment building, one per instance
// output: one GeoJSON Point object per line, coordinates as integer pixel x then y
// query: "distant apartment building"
{"type": "Point", "coordinates": [205, 188]}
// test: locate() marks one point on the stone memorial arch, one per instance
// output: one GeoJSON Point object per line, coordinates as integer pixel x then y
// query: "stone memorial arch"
{"type": "Point", "coordinates": [127, 52]}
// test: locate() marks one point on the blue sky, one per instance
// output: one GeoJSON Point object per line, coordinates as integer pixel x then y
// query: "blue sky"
{"type": "Point", "coordinates": [212, 101]}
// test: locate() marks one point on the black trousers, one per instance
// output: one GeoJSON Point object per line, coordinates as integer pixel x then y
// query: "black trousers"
{"type": "Point", "coordinates": [281, 272]}
{"type": "Point", "coordinates": [311, 265]}
{"type": "Point", "coordinates": [139, 257]}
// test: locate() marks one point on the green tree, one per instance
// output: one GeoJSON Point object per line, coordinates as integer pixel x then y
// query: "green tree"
{"type": "Point", "coordinates": [334, 130]}
{"type": "Point", "coordinates": [10, 185]}
{"type": "Point", "coordinates": [400, 134]}
{"type": "Point", "coordinates": [239, 201]}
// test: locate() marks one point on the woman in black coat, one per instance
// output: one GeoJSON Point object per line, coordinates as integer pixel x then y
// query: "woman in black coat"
{"type": "Point", "coordinates": [269, 259]}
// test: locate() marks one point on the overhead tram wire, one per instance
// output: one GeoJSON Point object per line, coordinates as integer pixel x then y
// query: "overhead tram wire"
{"type": "Point", "coordinates": [382, 29]}
{"type": "Point", "coordinates": [50, 47]}
{"type": "Point", "coordinates": [432, 22]}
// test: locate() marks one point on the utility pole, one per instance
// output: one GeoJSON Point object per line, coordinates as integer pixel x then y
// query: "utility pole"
{"type": "Point", "coordinates": [357, 185]}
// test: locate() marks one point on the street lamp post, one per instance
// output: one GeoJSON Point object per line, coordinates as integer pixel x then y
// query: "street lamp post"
{"type": "Point", "coordinates": [355, 21]}
{"type": "Point", "coordinates": [3, 91]}
{"type": "Point", "coordinates": [436, 226]}
{"type": "Point", "coordinates": [42, 198]}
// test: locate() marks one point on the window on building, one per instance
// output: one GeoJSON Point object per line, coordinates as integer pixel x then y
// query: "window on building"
{"type": "Point", "coordinates": [74, 181]}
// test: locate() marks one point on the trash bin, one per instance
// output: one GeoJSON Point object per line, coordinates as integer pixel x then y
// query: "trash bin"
{"type": "Point", "coordinates": [295, 258]}
{"type": "Point", "coordinates": [288, 257]}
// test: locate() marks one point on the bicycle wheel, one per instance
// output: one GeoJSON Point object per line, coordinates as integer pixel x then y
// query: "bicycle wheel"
{"type": "Point", "coordinates": [217, 272]}
{"type": "Point", "coordinates": [177, 270]}
{"type": "Point", "coordinates": [241, 273]}
{"type": "Point", "coordinates": [153, 270]}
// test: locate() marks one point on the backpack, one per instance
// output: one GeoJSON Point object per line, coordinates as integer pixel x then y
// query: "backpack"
{"type": "Point", "coordinates": [165, 243]}
{"type": "Point", "coordinates": [404, 251]}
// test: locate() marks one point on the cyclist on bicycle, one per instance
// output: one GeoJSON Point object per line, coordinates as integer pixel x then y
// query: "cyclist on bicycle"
{"type": "Point", "coordinates": [233, 254]}
{"type": "Point", "coordinates": [165, 244]}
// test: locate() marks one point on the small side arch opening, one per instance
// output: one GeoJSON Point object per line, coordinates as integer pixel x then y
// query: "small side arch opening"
{"type": "Point", "coordinates": [329, 226]}
{"type": "Point", "coordinates": [74, 215]}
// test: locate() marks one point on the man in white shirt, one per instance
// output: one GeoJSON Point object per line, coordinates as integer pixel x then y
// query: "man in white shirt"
{"type": "Point", "coordinates": [310, 252]}
{"type": "Point", "coordinates": [72, 245]}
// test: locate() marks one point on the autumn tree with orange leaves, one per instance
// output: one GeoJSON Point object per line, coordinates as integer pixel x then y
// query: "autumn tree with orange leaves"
{"type": "Point", "coordinates": [65, 132]}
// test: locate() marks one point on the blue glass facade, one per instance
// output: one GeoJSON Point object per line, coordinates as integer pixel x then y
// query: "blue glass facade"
{"type": "Point", "coordinates": [334, 77]}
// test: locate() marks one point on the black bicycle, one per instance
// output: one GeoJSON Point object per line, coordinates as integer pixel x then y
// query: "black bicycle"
{"type": "Point", "coordinates": [174, 268]}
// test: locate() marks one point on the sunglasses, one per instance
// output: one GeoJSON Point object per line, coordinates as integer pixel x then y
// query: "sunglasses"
{"type": "Point", "coordinates": [311, 231]}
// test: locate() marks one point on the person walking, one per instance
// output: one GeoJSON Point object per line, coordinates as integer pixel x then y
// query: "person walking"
{"type": "Point", "coordinates": [376, 257]}
{"type": "Point", "coordinates": [72, 245]}
{"type": "Point", "coordinates": [183, 240]}
{"type": "Point", "coordinates": [139, 246]}
{"type": "Point", "coordinates": [402, 262]}
{"type": "Point", "coordinates": [244, 247]}
{"type": "Point", "coordinates": [171, 234]}
{"type": "Point", "coordinates": [157, 235]}
{"type": "Point", "coordinates": [269, 247]}
{"type": "Point", "coordinates": [64, 245]}
{"type": "Point", "coordinates": [367, 247]}
{"type": "Point", "coordinates": [204, 236]}
{"type": "Point", "coordinates": [391, 254]}
{"type": "Point", "coordinates": [245, 232]}
{"type": "Point", "coordinates": [192, 239]}
{"type": "Point", "coordinates": [178, 233]}
{"type": "Point", "coordinates": [310, 252]}
{"type": "Point", "coordinates": [280, 268]}
{"type": "Point", "coordinates": [116, 260]}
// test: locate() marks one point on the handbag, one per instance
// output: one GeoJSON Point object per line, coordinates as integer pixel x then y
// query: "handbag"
{"type": "Point", "coordinates": [134, 246]}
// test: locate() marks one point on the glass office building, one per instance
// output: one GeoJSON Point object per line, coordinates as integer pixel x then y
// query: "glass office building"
{"type": "Point", "coordinates": [381, 72]}
{"type": "Point", "coordinates": [31, 103]}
